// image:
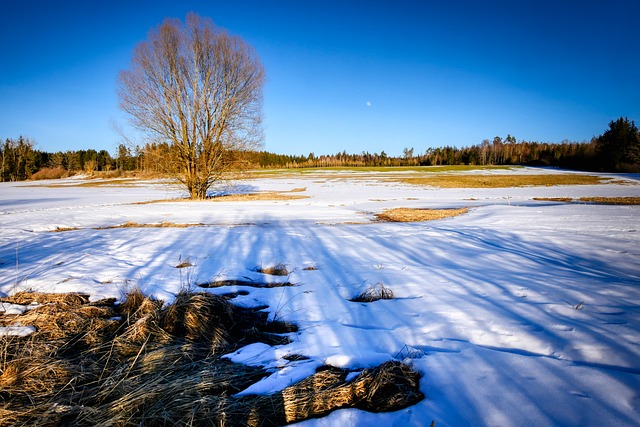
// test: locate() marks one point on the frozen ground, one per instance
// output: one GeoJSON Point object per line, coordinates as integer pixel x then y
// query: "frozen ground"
{"type": "Point", "coordinates": [519, 313]}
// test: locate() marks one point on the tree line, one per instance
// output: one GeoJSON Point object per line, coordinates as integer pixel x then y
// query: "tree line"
{"type": "Point", "coordinates": [21, 160]}
{"type": "Point", "coordinates": [616, 150]}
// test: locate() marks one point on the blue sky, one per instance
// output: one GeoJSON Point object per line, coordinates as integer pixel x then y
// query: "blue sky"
{"type": "Point", "coordinates": [354, 76]}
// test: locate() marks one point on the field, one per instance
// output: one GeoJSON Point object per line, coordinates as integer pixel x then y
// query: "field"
{"type": "Point", "coordinates": [515, 293]}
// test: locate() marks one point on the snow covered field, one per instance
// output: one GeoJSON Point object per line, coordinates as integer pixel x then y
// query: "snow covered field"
{"type": "Point", "coordinates": [519, 313]}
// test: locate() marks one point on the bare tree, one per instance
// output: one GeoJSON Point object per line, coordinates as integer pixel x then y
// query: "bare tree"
{"type": "Point", "coordinates": [199, 90]}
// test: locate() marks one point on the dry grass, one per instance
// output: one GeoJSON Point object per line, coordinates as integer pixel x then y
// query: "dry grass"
{"type": "Point", "coordinates": [51, 173]}
{"type": "Point", "coordinates": [133, 224]}
{"type": "Point", "coordinates": [143, 363]}
{"type": "Point", "coordinates": [247, 197]}
{"type": "Point", "coordinates": [374, 293]}
{"type": "Point", "coordinates": [265, 196]}
{"type": "Point", "coordinates": [95, 183]}
{"type": "Point", "coordinates": [595, 200]}
{"type": "Point", "coordinates": [274, 270]}
{"type": "Point", "coordinates": [611, 200]}
{"type": "Point", "coordinates": [503, 180]}
{"type": "Point", "coordinates": [233, 282]}
{"type": "Point", "coordinates": [416, 215]}
{"type": "Point", "coordinates": [554, 199]}
{"type": "Point", "coordinates": [61, 229]}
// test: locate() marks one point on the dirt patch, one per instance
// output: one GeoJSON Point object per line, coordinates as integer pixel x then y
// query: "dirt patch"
{"type": "Point", "coordinates": [145, 363]}
{"type": "Point", "coordinates": [416, 215]}
{"type": "Point", "coordinates": [504, 181]}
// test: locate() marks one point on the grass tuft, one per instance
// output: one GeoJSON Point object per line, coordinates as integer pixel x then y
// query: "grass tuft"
{"type": "Point", "coordinates": [275, 270]}
{"type": "Point", "coordinates": [374, 293]}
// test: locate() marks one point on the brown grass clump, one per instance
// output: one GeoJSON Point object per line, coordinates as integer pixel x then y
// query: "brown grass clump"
{"type": "Point", "coordinates": [612, 200]}
{"type": "Point", "coordinates": [416, 215]}
{"type": "Point", "coordinates": [374, 293]}
{"type": "Point", "coordinates": [504, 181]}
{"type": "Point", "coordinates": [274, 270]}
{"type": "Point", "coordinates": [61, 229]}
{"type": "Point", "coordinates": [143, 363]}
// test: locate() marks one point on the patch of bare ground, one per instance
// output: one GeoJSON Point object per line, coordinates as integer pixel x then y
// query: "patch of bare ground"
{"type": "Point", "coordinates": [61, 229]}
{"type": "Point", "coordinates": [554, 199]}
{"type": "Point", "coordinates": [245, 197]}
{"type": "Point", "coordinates": [265, 196]}
{"type": "Point", "coordinates": [417, 215]}
{"type": "Point", "coordinates": [504, 180]}
{"type": "Point", "coordinates": [142, 362]}
{"type": "Point", "coordinates": [133, 224]}
{"type": "Point", "coordinates": [94, 183]}
{"type": "Point", "coordinates": [250, 283]}
{"type": "Point", "coordinates": [611, 200]}
{"type": "Point", "coordinates": [594, 200]}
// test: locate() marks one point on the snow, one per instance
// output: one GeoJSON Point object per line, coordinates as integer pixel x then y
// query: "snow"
{"type": "Point", "coordinates": [521, 312]}
{"type": "Point", "coordinates": [16, 330]}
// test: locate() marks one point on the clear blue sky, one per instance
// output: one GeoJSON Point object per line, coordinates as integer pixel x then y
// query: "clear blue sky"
{"type": "Point", "coordinates": [354, 76]}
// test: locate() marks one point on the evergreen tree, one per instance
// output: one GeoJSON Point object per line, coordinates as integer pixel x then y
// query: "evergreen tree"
{"type": "Point", "coordinates": [619, 145]}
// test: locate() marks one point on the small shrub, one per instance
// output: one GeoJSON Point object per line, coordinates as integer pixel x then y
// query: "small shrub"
{"type": "Point", "coordinates": [374, 293]}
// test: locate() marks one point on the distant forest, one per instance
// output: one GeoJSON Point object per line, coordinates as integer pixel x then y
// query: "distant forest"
{"type": "Point", "coordinates": [616, 150]}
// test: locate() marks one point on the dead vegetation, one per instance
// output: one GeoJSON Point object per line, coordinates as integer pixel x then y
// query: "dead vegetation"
{"type": "Point", "coordinates": [554, 199]}
{"type": "Point", "coordinates": [252, 284]}
{"type": "Point", "coordinates": [242, 197]}
{"type": "Point", "coordinates": [503, 180]}
{"type": "Point", "coordinates": [594, 200]}
{"type": "Point", "coordinates": [273, 270]}
{"type": "Point", "coordinates": [416, 215]}
{"type": "Point", "coordinates": [264, 196]}
{"type": "Point", "coordinates": [611, 200]}
{"type": "Point", "coordinates": [145, 363]}
{"type": "Point", "coordinates": [374, 293]}
{"type": "Point", "coordinates": [133, 224]}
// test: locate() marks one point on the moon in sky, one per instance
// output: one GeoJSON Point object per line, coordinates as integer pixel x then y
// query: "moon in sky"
{"type": "Point", "coordinates": [368, 104]}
